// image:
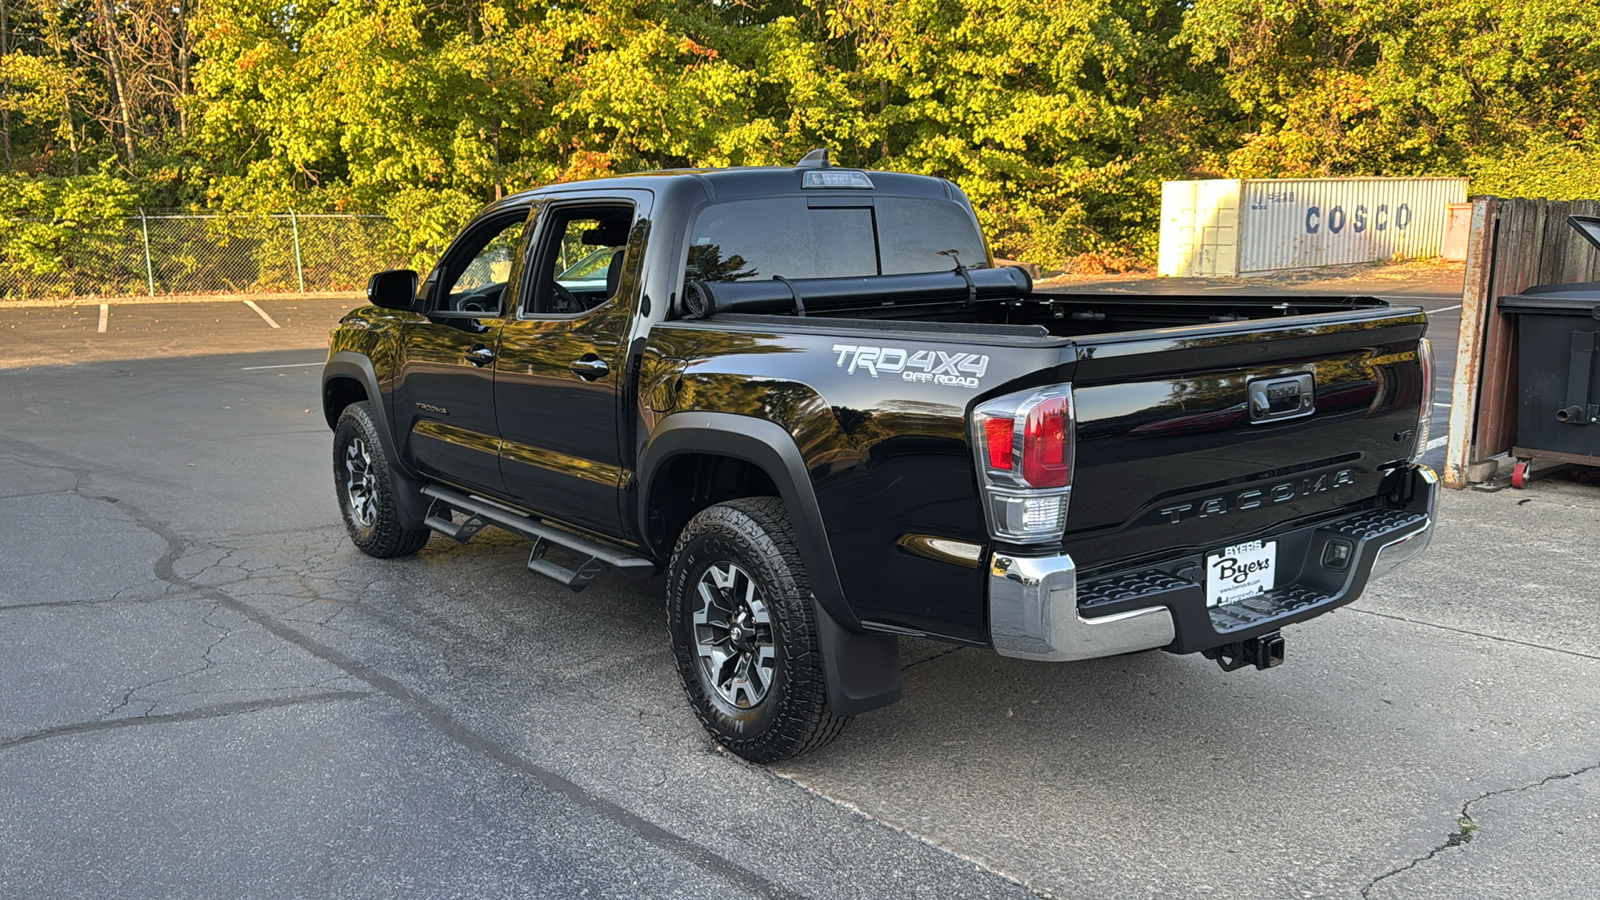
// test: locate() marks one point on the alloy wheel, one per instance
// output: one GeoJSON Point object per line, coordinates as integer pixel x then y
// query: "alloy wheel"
{"type": "Point", "coordinates": [361, 485]}
{"type": "Point", "coordinates": [733, 635]}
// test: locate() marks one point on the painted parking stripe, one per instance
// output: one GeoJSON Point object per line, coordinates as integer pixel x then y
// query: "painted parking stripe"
{"type": "Point", "coordinates": [284, 366]}
{"type": "Point", "coordinates": [262, 313]}
{"type": "Point", "coordinates": [1444, 309]}
{"type": "Point", "coordinates": [105, 316]}
{"type": "Point", "coordinates": [1438, 442]}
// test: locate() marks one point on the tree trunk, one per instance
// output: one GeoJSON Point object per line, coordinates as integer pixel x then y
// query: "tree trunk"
{"type": "Point", "coordinates": [72, 135]}
{"type": "Point", "coordinates": [118, 86]}
{"type": "Point", "coordinates": [183, 67]}
{"type": "Point", "coordinates": [883, 105]}
{"type": "Point", "coordinates": [5, 86]}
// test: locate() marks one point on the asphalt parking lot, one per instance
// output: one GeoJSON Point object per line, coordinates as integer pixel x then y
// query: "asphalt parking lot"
{"type": "Point", "coordinates": [205, 690]}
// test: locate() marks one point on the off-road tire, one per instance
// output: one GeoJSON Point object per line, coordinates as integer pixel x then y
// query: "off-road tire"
{"type": "Point", "coordinates": [793, 716]}
{"type": "Point", "coordinates": [383, 536]}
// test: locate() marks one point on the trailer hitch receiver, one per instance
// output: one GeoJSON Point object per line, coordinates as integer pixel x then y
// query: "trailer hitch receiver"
{"type": "Point", "coordinates": [1263, 652]}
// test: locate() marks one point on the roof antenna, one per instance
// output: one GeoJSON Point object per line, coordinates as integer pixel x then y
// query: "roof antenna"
{"type": "Point", "coordinates": [816, 159]}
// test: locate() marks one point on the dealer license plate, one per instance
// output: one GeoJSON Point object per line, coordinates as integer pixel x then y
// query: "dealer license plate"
{"type": "Point", "coordinates": [1243, 570]}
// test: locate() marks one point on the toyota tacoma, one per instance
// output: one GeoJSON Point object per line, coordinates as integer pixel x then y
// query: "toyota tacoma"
{"type": "Point", "coordinates": [808, 397]}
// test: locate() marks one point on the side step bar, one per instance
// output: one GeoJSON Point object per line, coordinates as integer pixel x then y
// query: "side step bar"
{"type": "Point", "coordinates": [596, 557]}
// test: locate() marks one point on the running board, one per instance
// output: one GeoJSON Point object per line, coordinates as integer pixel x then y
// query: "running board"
{"type": "Point", "coordinates": [596, 558]}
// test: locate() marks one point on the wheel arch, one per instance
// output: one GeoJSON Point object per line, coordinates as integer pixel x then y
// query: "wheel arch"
{"type": "Point", "coordinates": [746, 444]}
{"type": "Point", "coordinates": [338, 392]}
{"type": "Point", "coordinates": [349, 377]}
{"type": "Point", "coordinates": [863, 669]}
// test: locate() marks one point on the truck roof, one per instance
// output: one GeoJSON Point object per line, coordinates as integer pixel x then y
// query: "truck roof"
{"type": "Point", "coordinates": [755, 181]}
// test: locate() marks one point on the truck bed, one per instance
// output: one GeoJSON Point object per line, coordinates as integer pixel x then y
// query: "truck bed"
{"type": "Point", "coordinates": [1168, 460]}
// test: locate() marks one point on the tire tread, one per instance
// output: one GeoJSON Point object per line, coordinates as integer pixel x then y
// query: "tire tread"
{"type": "Point", "coordinates": [388, 539]}
{"type": "Point", "coordinates": [804, 723]}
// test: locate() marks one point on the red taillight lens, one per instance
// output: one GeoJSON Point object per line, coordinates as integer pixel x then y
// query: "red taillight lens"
{"type": "Point", "coordinates": [1026, 477]}
{"type": "Point", "coordinates": [997, 437]}
{"type": "Point", "coordinates": [1046, 453]}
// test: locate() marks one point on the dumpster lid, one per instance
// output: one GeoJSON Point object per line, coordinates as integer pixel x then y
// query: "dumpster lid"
{"type": "Point", "coordinates": [1582, 298]}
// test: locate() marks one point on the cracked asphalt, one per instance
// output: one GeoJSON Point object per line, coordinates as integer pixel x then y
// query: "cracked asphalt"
{"type": "Point", "coordinates": [206, 691]}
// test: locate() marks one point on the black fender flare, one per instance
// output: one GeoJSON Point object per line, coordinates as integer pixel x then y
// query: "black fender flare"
{"type": "Point", "coordinates": [862, 669]}
{"type": "Point", "coordinates": [411, 504]}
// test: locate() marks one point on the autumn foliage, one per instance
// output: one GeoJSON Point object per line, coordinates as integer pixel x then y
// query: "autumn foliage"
{"type": "Point", "coordinates": [1059, 118]}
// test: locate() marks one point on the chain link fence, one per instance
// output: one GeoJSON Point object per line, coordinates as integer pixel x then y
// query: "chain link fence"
{"type": "Point", "coordinates": [155, 255]}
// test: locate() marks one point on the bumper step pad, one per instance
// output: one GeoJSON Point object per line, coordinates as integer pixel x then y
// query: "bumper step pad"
{"type": "Point", "coordinates": [1308, 590]}
{"type": "Point", "coordinates": [1146, 587]}
{"type": "Point", "coordinates": [1265, 608]}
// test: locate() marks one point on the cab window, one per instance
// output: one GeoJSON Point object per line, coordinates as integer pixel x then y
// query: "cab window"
{"type": "Point", "coordinates": [478, 268]}
{"type": "Point", "coordinates": [579, 262]}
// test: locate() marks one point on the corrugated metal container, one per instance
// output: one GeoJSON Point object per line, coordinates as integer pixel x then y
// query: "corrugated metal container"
{"type": "Point", "coordinates": [1248, 226]}
{"type": "Point", "coordinates": [1200, 228]}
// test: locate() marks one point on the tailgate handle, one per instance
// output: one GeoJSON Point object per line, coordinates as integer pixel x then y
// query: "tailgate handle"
{"type": "Point", "coordinates": [1273, 399]}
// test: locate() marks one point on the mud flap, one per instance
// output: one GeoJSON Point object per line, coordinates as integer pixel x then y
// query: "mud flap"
{"type": "Point", "coordinates": [862, 670]}
{"type": "Point", "coordinates": [409, 502]}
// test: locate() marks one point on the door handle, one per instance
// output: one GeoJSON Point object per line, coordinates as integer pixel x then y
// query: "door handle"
{"type": "Point", "coordinates": [480, 355]}
{"type": "Point", "coordinates": [589, 368]}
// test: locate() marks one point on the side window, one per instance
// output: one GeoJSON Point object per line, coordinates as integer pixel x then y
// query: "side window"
{"type": "Point", "coordinates": [580, 259]}
{"type": "Point", "coordinates": [477, 282]}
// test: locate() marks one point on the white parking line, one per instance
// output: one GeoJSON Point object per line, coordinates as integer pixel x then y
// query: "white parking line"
{"type": "Point", "coordinates": [1438, 442]}
{"type": "Point", "coordinates": [262, 313]}
{"type": "Point", "coordinates": [105, 314]}
{"type": "Point", "coordinates": [1444, 309]}
{"type": "Point", "coordinates": [284, 366]}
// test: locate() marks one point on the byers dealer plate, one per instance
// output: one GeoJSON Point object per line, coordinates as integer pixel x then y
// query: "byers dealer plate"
{"type": "Point", "coordinates": [1243, 570]}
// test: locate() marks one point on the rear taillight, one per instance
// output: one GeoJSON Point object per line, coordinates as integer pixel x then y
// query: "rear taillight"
{"type": "Point", "coordinates": [1046, 455]}
{"type": "Point", "coordinates": [1425, 415]}
{"type": "Point", "coordinates": [1024, 444]}
{"type": "Point", "coordinates": [997, 435]}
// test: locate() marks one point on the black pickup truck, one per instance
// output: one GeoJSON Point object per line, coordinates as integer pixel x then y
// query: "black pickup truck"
{"type": "Point", "coordinates": [807, 396]}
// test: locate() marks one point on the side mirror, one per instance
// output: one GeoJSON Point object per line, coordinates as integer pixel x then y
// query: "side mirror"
{"type": "Point", "coordinates": [394, 289]}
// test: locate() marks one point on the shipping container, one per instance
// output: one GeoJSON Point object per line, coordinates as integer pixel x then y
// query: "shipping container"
{"type": "Point", "coordinates": [1226, 227]}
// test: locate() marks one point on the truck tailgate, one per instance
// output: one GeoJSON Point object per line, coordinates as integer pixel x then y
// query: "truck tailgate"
{"type": "Point", "coordinates": [1197, 437]}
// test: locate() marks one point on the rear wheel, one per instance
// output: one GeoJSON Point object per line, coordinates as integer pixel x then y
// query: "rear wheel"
{"type": "Point", "coordinates": [744, 634]}
{"type": "Point", "coordinates": [365, 487]}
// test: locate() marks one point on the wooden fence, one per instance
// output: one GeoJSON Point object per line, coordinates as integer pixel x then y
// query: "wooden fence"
{"type": "Point", "coordinates": [1513, 245]}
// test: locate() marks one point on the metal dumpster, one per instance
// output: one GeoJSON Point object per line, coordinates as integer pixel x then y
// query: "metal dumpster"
{"type": "Point", "coordinates": [1558, 381]}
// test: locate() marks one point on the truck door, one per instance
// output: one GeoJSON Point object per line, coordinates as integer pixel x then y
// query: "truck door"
{"type": "Point", "coordinates": [444, 402]}
{"type": "Point", "coordinates": [560, 368]}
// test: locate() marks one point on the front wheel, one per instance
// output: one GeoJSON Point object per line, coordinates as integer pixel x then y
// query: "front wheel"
{"type": "Point", "coordinates": [363, 482]}
{"type": "Point", "coordinates": [744, 634]}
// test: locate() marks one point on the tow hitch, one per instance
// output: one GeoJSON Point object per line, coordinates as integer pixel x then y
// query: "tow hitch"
{"type": "Point", "coordinates": [1263, 652]}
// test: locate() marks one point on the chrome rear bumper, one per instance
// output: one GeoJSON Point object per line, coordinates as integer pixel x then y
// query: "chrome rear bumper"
{"type": "Point", "coordinates": [1034, 601]}
{"type": "Point", "coordinates": [1033, 614]}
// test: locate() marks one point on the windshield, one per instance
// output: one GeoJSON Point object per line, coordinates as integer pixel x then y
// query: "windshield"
{"type": "Point", "coordinates": [591, 268]}
{"type": "Point", "coordinates": [789, 237]}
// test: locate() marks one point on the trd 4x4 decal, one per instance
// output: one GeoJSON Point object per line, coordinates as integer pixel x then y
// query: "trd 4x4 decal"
{"type": "Point", "coordinates": [931, 366]}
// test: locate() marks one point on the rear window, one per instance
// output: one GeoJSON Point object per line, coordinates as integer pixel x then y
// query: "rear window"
{"type": "Point", "coordinates": [758, 239]}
